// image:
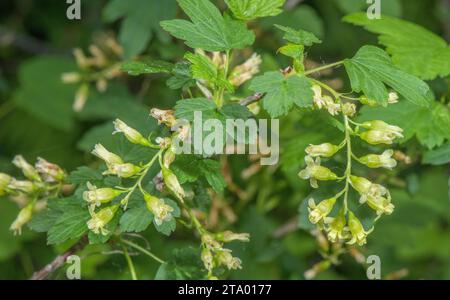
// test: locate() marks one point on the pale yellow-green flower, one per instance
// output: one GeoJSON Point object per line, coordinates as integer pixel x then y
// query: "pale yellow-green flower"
{"type": "Point", "coordinates": [161, 211]}
{"type": "Point", "coordinates": [172, 183]}
{"type": "Point", "coordinates": [324, 150]}
{"type": "Point", "coordinates": [358, 233]}
{"type": "Point", "coordinates": [384, 160]}
{"type": "Point", "coordinates": [5, 179]}
{"type": "Point", "coordinates": [97, 197]}
{"type": "Point", "coordinates": [125, 170]}
{"type": "Point", "coordinates": [100, 219]}
{"type": "Point", "coordinates": [108, 157]}
{"type": "Point", "coordinates": [320, 211]}
{"type": "Point", "coordinates": [49, 172]}
{"type": "Point", "coordinates": [28, 170]}
{"type": "Point", "coordinates": [23, 218]}
{"type": "Point", "coordinates": [335, 227]}
{"type": "Point", "coordinates": [314, 171]}
{"type": "Point", "coordinates": [131, 134]}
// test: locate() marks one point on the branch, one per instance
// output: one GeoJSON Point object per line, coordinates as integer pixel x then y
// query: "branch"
{"type": "Point", "coordinates": [252, 99]}
{"type": "Point", "coordinates": [58, 261]}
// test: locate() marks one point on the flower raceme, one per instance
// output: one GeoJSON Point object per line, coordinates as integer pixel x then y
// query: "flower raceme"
{"type": "Point", "coordinates": [345, 225]}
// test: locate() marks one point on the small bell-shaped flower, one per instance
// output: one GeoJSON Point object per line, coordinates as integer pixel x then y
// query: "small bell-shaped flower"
{"type": "Point", "coordinates": [358, 233]}
{"type": "Point", "coordinates": [377, 137]}
{"type": "Point", "coordinates": [22, 186]}
{"type": "Point", "coordinates": [381, 205]}
{"type": "Point", "coordinates": [97, 197]}
{"type": "Point", "coordinates": [172, 183]}
{"type": "Point", "coordinates": [320, 211]}
{"type": "Point", "coordinates": [207, 259]}
{"type": "Point", "coordinates": [108, 157]}
{"type": "Point", "coordinates": [229, 236]}
{"type": "Point", "coordinates": [228, 260]}
{"type": "Point", "coordinates": [125, 170]}
{"type": "Point", "coordinates": [165, 117]}
{"type": "Point", "coordinates": [314, 171]}
{"type": "Point", "coordinates": [367, 189]}
{"type": "Point", "coordinates": [23, 218]}
{"type": "Point", "coordinates": [393, 98]}
{"type": "Point", "coordinates": [5, 179]}
{"type": "Point", "coordinates": [100, 219]}
{"type": "Point", "coordinates": [336, 229]}
{"type": "Point", "coordinates": [324, 150]}
{"type": "Point", "coordinates": [325, 101]}
{"type": "Point", "coordinates": [28, 170]}
{"type": "Point", "coordinates": [131, 134]}
{"type": "Point", "coordinates": [49, 172]}
{"type": "Point", "coordinates": [383, 126]}
{"type": "Point", "coordinates": [384, 160]}
{"type": "Point", "coordinates": [161, 211]}
{"type": "Point", "coordinates": [246, 71]}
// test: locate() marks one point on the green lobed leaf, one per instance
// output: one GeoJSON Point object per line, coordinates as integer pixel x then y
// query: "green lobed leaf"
{"type": "Point", "coordinates": [371, 69]}
{"type": "Point", "coordinates": [209, 30]}
{"type": "Point", "coordinates": [283, 93]}
{"type": "Point", "coordinates": [70, 225]}
{"type": "Point", "coordinates": [252, 9]}
{"type": "Point", "coordinates": [413, 48]}
{"type": "Point", "coordinates": [136, 219]}
{"type": "Point", "coordinates": [184, 109]}
{"type": "Point", "coordinates": [83, 175]}
{"type": "Point", "coordinates": [439, 156]}
{"type": "Point", "coordinates": [182, 264]}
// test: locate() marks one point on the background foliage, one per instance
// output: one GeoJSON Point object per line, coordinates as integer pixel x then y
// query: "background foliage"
{"type": "Point", "coordinates": [36, 119]}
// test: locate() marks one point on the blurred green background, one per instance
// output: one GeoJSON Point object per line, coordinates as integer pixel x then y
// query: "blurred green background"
{"type": "Point", "coordinates": [36, 119]}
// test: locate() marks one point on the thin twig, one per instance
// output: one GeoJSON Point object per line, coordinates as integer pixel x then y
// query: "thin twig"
{"type": "Point", "coordinates": [252, 99]}
{"type": "Point", "coordinates": [59, 261]}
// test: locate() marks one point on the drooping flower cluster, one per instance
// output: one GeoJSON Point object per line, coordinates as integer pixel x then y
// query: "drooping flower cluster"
{"type": "Point", "coordinates": [215, 255]}
{"type": "Point", "coordinates": [42, 181]}
{"type": "Point", "coordinates": [101, 66]}
{"type": "Point", "coordinates": [335, 217]}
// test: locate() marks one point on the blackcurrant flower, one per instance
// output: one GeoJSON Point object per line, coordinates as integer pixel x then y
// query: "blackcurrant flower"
{"type": "Point", "coordinates": [314, 171]}
{"type": "Point", "coordinates": [318, 212]}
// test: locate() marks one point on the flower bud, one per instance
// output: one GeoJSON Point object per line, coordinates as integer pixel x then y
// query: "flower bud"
{"type": "Point", "coordinates": [99, 220]}
{"type": "Point", "coordinates": [171, 181]}
{"type": "Point", "coordinates": [23, 218]}
{"type": "Point", "coordinates": [5, 179]}
{"type": "Point", "coordinates": [320, 211]}
{"type": "Point", "coordinates": [97, 197]}
{"type": "Point", "coordinates": [169, 157]}
{"type": "Point", "coordinates": [324, 150]}
{"type": "Point", "coordinates": [229, 236]}
{"type": "Point", "coordinates": [366, 101]}
{"type": "Point", "coordinates": [28, 170]}
{"type": "Point", "coordinates": [71, 77]}
{"type": "Point", "coordinates": [210, 242]}
{"type": "Point", "coordinates": [131, 134]}
{"type": "Point", "coordinates": [384, 160]}
{"type": "Point", "coordinates": [81, 97]}
{"type": "Point", "coordinates": [360, 184]}
{"type": "Point", "coordinates": [105, 155]}
{"type": "Point", "coordinates": [23, 186]}
{"type": "Point", "coordinates": [359, 234]}
{"type": "Point", "coordinates": [80, 58]}
{"type": "Point", "coordinates": [376, 137]}
{"type": "Point", "coordinates": [49, 172]}
{"type": "Point", "coordinates": [160, 210]}
{"type": "Point", "coordinates": [123, 170]}
{"type": "Point", "coordinates": [165, 117]}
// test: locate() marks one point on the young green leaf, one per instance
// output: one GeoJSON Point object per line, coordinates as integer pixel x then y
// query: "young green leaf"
{"type": "Point", "coordinates": [182, 264]}
{"type": "Point", "coordinates": [413, 48]}
{"type": "Point", "coordinates": [283, 93]}
{"type": "Point", "coordinates": [252, 9]}
{"type": "Point", "coordinates": [371, 69]}
{"type": "Point", "coordinates": [184, 109]}
{"type": "Point", "coordinates": [299, 37]}
{"type": "Point", "coordinates": [209, 30]}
